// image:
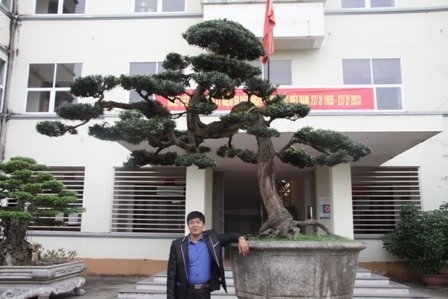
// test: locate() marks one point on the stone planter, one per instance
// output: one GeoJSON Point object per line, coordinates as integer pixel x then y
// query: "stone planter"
{"type": "Point", "coordinates": [290, 269]}
{"type": "Point", "coordinates": [434, 280]}
{"type": "Point", "coordinates": [22, 282]}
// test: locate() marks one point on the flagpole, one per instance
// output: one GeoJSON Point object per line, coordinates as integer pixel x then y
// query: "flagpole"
{"type": "Point", "coordinates": [269, 68]}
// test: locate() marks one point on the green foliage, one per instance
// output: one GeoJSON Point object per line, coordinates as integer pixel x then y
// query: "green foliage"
{"type": "Point", "coordinates": [141, 158]}
{"type": "Point", "coordinates": [53, 128]}
{"type": "Point", "coordinates": [263, 131]}
{"type": "Point", "coordinates": [226, 38]}
{"type": "Point", "coordinates": [29, 195]}
{"type": "Point", "coordinates": [421, 238]}
{"type": "Point", "coordinates": [284, 110]}
{"type": "Point", "coordinates": [198, 159]}
{"type": "Point", "coordinates": [245, 155]}
{"type": "Point", "coordinates": [93, 86]}
{"type": "Point", "coordinates": [175, 61]}
{"type": "Point", "coordinates": [297, 157]}
{"type": "Point", "coordinates": [200, 84]}
{"type": "Point", "coordinates": [336, 147]}
{"type": "Point", "coordinates": [205, 108]}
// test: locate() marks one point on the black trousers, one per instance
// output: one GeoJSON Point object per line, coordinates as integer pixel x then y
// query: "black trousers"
{"type": "Point", "coordinates": [198, 294]}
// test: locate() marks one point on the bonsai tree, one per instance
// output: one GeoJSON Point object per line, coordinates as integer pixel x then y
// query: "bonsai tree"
{"type": "Point", "coordinates": [421, 238]}
{"type": "Point", "coordinates": [198, 82]}
{"type": "Point", "coordinates": [29, 195]}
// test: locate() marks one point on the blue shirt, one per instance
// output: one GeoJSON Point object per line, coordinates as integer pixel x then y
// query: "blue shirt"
{"type": "Point", "coordinates": [200, 262]}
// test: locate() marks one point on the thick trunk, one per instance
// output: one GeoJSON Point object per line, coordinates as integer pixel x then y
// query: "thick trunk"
{"type": "Point", "coordinates": [278, 217]}
{"type": "Point", "coordinates": [15, 250]}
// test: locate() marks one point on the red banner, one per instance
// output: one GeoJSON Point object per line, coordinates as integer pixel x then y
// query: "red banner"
{"type": "Point", "coordinates": [316, 98]}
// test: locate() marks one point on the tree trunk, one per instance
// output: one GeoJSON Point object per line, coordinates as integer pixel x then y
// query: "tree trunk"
{"type": "Point", "coordinates": [15, 250]}
{"type": "Point", "coordinates": [278, 217]}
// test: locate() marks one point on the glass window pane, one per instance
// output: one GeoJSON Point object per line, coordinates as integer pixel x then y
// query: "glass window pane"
{"type": "Point", "coordinates": [38, 101]}
{"type": "Point", "coordinates": [66, 74]}
{"type": "Point", "coordinates": [173, 5]}
{"type": "Point", "coordinates": [279, 72]}
{"type": "Point", "coordinates": [140, 68]}
{"type": "Point", "coordinates": [41, 75]}
{"type": "Point", "coordinates": [382, 3]}
{"type": "Point", "coordinates": [353, 3]}
{"type": "Point", "coordinates": [356, 71]}
{"type": "Point", "coordinates": [386, 71]}
{"type": "Point", "coordinates": [388, 98]}
{"type": "Point", "coordinates": [47, 6]}
{"type": "Point", "coordinates": [145, 6]}
{"type": "Point", "coordinates": [73, 6]}
{"type": "Point", "coordinates": [62, 98]}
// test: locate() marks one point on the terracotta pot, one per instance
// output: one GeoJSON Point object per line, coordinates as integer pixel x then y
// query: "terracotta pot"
{"type": "Point", "coordinates": [434, 280]}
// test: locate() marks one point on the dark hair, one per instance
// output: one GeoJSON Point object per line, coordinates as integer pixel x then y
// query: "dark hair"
{"type": "Point", "coordinates": [194, 215]}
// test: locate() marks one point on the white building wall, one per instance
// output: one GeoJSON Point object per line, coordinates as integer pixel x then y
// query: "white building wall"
{"type": "Point", "coordinates": [107, 38]}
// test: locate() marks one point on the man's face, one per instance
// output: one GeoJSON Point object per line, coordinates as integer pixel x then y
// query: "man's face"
{"type": "Point", "coordinates": [196, 226]}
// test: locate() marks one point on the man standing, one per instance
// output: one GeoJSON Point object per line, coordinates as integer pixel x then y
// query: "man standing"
{"type": "Point", "coordinates": [195, 265]}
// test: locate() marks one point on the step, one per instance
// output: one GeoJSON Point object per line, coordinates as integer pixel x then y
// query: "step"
{"type": "Point", "coordinates": [368, 285]}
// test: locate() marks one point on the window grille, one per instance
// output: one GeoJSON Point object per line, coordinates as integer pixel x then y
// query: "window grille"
{"type": "Point", "coordinates": [73, 179]}
{"type": "Point", "coordinates": [378, 194]}
{"type": "Point", "coordinates": [149, 200]}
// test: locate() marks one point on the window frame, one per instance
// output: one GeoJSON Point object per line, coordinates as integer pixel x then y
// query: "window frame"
{"type": "Point", "coordinates": [159, 7]}
{"type": "Point", "coordinates": [368, 5]}
{"type": "Point", "coordinates": [158, 67]}
{"type": "Point", "coordinates": [60, 9]}
{"type": "Point", "coordinates": [272, 76]}
{"type": "Point", "coordinates": [377, 87]}
{"type": "Point", "coordinates": [51, 90]}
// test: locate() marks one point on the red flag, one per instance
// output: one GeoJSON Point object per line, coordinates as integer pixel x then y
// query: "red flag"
{"type": "Point", "coordinates": [268, 33]}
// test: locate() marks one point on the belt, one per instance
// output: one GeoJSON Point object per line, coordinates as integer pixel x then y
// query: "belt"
{"type": "Point", "coordinates": [199, 286]}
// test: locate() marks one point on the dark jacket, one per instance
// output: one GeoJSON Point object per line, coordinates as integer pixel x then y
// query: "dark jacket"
{"type": "Point", "coordinates": [177, 276]}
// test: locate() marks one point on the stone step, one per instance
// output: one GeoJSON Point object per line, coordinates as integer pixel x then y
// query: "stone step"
{"type": "Point", "coordinates": [368, 285]}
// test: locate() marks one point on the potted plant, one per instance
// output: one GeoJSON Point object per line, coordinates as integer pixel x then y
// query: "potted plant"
{"type": "Point", "coordinates": [198, 83]}
{"type": "Point", "coordinates": [422, 240]}
{"type": "Point", "coordinates": [29, 194]}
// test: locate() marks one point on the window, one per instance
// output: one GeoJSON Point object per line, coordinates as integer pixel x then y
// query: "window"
{"type": "Point", "coordinates": [149, 200]}
{"type": "Point", "coordinates": [383, 74]}
{"type": "Point", "coordinates": [159, 5]}
{"type": "Point", "coordinates": [378, 193]}
{"type": "Point", "coordinates": [49, 86]}
{"type": "Point", "coordinates": [279, 72]}
{"type": "Point", "coordinates": [6, 3]}
{"type": "Point", "coordinates": [73, 179]}
{"type": "Point", "coordinates": [60, 6]}
{"type": "Point", "coordinates": [367, 3]}
{"type": "Point", "coordinates": [144, 69]}
{"type": "Point", "coordinates": [2, 82]}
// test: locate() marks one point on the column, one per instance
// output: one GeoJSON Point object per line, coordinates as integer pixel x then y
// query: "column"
{"type": "Point", "coordinates": [199, 189]}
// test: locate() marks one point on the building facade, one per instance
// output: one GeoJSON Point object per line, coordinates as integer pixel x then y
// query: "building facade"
{"type": "Point", "coordinates": [373, 69]}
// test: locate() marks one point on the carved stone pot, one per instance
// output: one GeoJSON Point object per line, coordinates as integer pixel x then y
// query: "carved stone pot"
{"type": "Point", "coordinates": [292, 269]}
{"type": "Point", "coordinates": [22, 282]}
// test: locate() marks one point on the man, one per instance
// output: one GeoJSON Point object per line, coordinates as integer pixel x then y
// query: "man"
{"type": "Point", "coordinates": [195, 265]}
